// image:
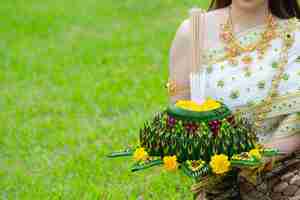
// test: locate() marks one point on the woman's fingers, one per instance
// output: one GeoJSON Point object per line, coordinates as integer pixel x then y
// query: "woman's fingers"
{"type": "Point", "coordinates": [288, 144]}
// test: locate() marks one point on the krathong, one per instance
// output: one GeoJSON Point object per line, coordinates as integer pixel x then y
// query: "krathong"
{"type": "Point", "coordinates": [205, 141]}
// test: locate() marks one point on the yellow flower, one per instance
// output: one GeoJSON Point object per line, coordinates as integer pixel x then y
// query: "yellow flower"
{"type": "Point", "coordinates": [170, 163]}
{"type": "Point", "coordinates": [220, 164]}
{"type": "Point", "coordinates": [140, 154]}
{"type": "Point", "coordinates": [255, 153]}
{"type": "Point", "coordinates": [208, 105]}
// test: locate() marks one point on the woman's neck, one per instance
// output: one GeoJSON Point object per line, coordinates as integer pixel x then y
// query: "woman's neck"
{"type": "Point", "coordinates": [244, 19]}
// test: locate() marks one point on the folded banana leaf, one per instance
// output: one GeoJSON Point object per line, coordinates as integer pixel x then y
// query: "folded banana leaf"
{"type": "Point", "coordinates": [244, 160]}
{"type": "Point", "coordinates": [245, 163]}
{"type": "Point", "coordinates": [126, 152]}
{"type": "Point", "coordinates": [269, 152]}
{"type": "Point", "coordinates": [145, 164]}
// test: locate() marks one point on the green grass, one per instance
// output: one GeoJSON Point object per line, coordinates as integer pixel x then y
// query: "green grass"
{"type": "Point", "coordinates": [78, 79]}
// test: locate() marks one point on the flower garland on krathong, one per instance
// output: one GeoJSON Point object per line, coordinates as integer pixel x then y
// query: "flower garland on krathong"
{"type": "Point", "coordinates": [206, 145]}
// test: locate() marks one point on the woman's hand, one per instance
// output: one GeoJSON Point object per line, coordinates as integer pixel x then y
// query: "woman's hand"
{"type": "Point", "coordinates": [287, 145]}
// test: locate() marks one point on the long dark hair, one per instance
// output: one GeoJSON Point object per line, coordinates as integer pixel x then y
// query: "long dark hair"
{"type": "Point", "coordinates": [281, 8]}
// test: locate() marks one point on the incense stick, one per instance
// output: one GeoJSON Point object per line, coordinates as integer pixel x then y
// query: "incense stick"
{"type": "Point", "coordinates": [197, 76]}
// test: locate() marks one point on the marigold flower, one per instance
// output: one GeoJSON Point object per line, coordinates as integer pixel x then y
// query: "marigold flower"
{"type": "Point", "coordinates": [220, 164]}
{"type": "Point", "coordinates": [255, 153]}
{"type": "Point", "coordinates": [140, 154]}
{"type": "Point", "coordinates": [170, 163]}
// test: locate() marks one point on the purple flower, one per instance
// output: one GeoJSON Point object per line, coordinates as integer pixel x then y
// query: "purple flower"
{"type": "Point", "coordinates": [171, 121]}
{"type": "Point", "coordinates": [191, 127]}
{"type": "Point", "coordinates": [215, 126]}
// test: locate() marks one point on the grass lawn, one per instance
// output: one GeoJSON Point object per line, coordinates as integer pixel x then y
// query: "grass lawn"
{"type": "Point", "coordinates": [78, 78]}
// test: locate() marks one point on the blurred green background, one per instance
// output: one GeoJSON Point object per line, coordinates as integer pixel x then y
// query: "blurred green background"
{"type": "Point", "coordinates": [78, 79]}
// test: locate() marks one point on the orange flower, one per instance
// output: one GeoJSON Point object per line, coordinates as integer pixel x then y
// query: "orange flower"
{"type": "Point", "coordinates": [140, 154]}
{"type": "Point", "coordinates": [170, 163]}
{"type": "Point", "coordinates": [220, 164]}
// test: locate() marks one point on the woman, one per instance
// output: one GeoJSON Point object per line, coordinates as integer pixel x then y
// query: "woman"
{"type": "Point", "coordinates": [249, 54]}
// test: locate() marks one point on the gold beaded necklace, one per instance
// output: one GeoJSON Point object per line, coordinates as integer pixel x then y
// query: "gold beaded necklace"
{"type": "Point", "coordinates": [261, 111]}
{"type": "Point", "coordinates": [234, 47]}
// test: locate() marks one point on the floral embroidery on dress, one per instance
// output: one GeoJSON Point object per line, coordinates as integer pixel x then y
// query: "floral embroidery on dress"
{"type": "Point", "coordinates": [275, 64]}
{"type": "Point", "coordinates": [221, 83]}
{"type": "Point", "coordinates": [261, 84]}
{"type": "Point", "coordinates": [234, 94]}
{"type": "Point", "coordinates": [250, 103]}
{"type": "Point", "coordinates": [248, 73]}
{"type": "Point", "coordinates": [285, 76]}
{"type": "Point", "coordinates": [209, 69]}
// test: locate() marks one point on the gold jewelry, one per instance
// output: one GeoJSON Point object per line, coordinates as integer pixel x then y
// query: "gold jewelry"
{"type": "Point", "coordinates": [233, 46]}
{"type": "Point", "coordinates": [288, 40]}
{"type": "Point", "coordinates": [175, 89]}
{"type": "Point", "coordinates": [261, 110]}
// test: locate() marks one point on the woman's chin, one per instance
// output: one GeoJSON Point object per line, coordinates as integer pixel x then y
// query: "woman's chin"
{"type": "Point", "coordinates": [250, 4]}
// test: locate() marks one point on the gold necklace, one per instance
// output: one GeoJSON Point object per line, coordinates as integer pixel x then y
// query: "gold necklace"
{"type": "Point", "coordinates": [233, 46]}
{"type": "Point", "coordinates": [288, 37]}
{"type": "Point", "coordinates": [261, 111]}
